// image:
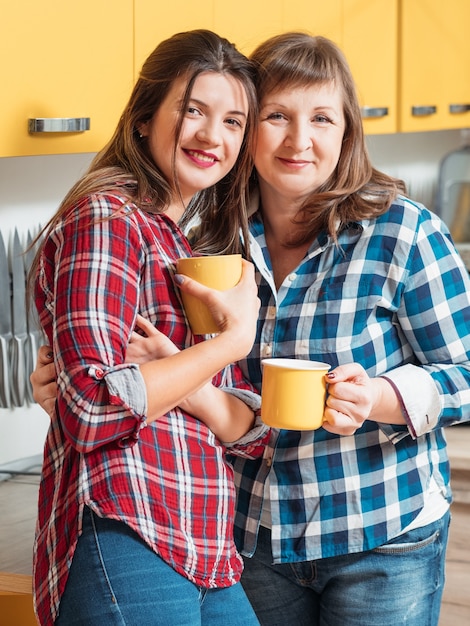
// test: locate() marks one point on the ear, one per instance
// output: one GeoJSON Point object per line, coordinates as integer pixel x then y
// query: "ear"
{"type": "Point", "coordinates": [142, 129]}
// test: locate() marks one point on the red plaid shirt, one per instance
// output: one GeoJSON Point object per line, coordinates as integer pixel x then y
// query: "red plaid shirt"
{"type": "Point", "coordinates": [169, 481]}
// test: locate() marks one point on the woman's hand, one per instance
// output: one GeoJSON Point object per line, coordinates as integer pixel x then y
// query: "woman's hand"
{"type": "Point", "coordinates": [354, 397]}
{"type": "Point", "coordinates": [235, 311]}
{"type": "Point", "coordinates": [141, 349]}
{"type": "Point", "coordinates": [155, 345]}
{"type": "Point", "coordinates": [43, 380]}
{"type": "Point", "coordinates": [152, 345]}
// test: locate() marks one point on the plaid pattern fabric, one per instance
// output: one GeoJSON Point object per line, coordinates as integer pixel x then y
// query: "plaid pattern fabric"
{"type": "Point", "coordinates": [168, 480]}
{"type": "Point", "coordinates": [394, 296]}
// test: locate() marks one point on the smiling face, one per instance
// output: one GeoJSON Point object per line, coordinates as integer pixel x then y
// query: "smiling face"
{"type": "Point", "coordinates": [211, 134]}
{"type": "Point", "coordinates": [300, 134]}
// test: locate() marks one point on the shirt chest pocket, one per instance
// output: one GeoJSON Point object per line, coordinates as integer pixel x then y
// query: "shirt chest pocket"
{"type": "Point", "coordinates": [340, 316]}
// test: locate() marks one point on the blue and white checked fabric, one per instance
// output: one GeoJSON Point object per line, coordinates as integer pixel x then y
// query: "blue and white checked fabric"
{"type": "Point", "coordinates": [394, 296]}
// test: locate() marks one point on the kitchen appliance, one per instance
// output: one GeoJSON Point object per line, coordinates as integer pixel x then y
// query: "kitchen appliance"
{"type": "Point", "coordinates": [453, 198]}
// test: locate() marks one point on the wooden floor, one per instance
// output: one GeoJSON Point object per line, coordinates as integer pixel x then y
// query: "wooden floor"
{"type": "Point", "coordinates": [18, 498]}
{"type": "Point", "coordinates": [456, 606]}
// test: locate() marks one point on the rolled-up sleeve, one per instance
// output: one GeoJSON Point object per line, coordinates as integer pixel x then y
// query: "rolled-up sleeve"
{"type": "Point", "coordinates": [421, 410]}
{"type": "Point", "coordinates": [251, 445]}
{"type": "Point", "coordinates": [90, 284]}
{"type": "Point", "coordinates": [435, 318]}
{"type": "Point", "coordinates": [259, 429]}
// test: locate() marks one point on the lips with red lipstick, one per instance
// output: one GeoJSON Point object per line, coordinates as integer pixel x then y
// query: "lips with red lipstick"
{"type": "Point", "coordinates": [201, 158]}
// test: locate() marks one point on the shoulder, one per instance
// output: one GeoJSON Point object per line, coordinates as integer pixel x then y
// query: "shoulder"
{"type": "Point", "coordinates": [103, 205]}
{"type": "Point", "coordinates": [97, 217]}
{"type": "Point", "coordinates": [410, 219]}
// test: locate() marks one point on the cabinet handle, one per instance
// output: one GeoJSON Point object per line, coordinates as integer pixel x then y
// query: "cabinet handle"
{"type": "Point", "coordinates": [58, 124]}
{"type": "Point", "coordinates": [426, 110]}
{"type": "Point", "coordinates": [368, 112]}
{"type": "Point", "coordinates": [459, 108]}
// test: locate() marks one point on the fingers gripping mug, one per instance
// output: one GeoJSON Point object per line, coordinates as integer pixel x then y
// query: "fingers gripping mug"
{"type": "Point", "coordinates": [218, 272]}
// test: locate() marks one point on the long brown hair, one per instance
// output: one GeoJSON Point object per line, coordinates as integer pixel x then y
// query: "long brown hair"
{"type": "Point", "coordinates": [125, 164]}
{"type": "Point", "coordinates": [355, 190]}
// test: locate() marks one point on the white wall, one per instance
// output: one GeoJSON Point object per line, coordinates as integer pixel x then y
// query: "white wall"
{"type": "Point", "coordinates": [32, 187]}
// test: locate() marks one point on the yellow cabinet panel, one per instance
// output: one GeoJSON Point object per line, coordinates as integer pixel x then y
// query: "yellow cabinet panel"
{"type": "Point", "coordinates": [63, 60]}
{"type": "Point", "coordinates": [370, 43]}
{"type": "Point", "coordinates": [314, 16]}
{"type": "Point", "coordinates": [248, 22]}
{"type": "Point", "coordinates": [156, 21]}
{"type": "Point", "coordinates": [435, 64]}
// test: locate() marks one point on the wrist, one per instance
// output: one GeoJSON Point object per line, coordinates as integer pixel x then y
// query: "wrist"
{"type": "Point", "coordinates": [387, 406]}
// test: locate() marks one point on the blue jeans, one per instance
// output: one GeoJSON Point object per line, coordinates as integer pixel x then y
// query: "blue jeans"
{"type": "Point", "coordinates": [116, 579]}
{"type": "Point", "coordinates": [399, 583]}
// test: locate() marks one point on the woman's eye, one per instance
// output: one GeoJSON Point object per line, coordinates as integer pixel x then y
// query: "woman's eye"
{"type": "Point", "coordinates": [323, 119]}
{"type": "Point", "coordinates": [234, 122]}
{"type": "Point", "coordinates": [275, 116]}
{"type": "Point", "coordinates": [193, 110]}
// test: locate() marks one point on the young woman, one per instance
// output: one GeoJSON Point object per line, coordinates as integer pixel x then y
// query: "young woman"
{"type": "Point", "coordinates": [136, 504]}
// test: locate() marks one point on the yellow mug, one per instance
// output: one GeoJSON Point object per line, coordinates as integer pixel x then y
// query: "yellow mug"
{"type": "Point", "coordinates": [218, 272]}
{"type": "Point", "coordinates": [293, 393]}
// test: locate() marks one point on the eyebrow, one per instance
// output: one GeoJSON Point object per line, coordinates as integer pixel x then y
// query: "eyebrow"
{"type": "Point", "coordinates": [202, 103]}
{"type": "Point", "coordinates": [281, 105]}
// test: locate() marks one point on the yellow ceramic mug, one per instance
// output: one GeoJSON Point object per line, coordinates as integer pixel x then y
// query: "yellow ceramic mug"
{"type": "Point", "coordinates": [293, 393]}
{"type": "Point", "coordinates": [218, 272]}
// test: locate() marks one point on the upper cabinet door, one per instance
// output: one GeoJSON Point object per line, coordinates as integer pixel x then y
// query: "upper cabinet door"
{"type": "Point", "coordinates": [156, 21]}
{"type": "Point", "coordinates": [247, 23]}
{"type": "Point", "coordinates": [317, 17]}
{"type": "Point", "coordinates": [370, 43]}
{"type": "Point", "coordinates": [435, 64]}
{"type": "Point", "coordinates": [62, 64]}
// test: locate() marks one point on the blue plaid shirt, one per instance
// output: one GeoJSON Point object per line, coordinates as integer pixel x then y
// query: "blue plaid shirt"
{"type": "Point", "coordinates": [394, 297]}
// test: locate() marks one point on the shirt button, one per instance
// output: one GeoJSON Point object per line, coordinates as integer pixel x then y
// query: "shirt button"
{"type": "Point", "coordinates": [96, 372]}
{"type": "Point", "coordinates": [268, 350]}
{"type": "Point", "coordinates": [291, 277]}
{"type": "Point", "coordinates": [271, 312]}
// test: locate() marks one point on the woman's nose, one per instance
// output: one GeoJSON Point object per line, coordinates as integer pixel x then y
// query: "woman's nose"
{"type": "Point", "coordinates": [209, 133]}
{"type": "Point", "coordinates": [299, 137]}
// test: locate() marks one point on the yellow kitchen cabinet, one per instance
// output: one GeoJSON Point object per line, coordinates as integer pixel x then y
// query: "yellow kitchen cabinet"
{"type": "Point", "coordinates": [370, 43]}
{"type": "Point", "coordinates": [61, 64]}
{"type": "Point", "coordinates": [434, 85]}
{"type": "Point", "coordinates": [367, 32]}
{"type": "Point", "coordinates": [314, 16]}
{"type": "Point", "coordinates": [155, 21]}
{"type": "Point", "coordinates": [256, 20]}
{"type": "Point", "coordinates": [247, 23]}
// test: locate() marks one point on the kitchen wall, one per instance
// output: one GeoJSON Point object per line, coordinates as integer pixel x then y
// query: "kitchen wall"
{"type": "Point", "coordinates": [32, 187]}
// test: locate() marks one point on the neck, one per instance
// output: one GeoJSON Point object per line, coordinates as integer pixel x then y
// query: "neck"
{"type": "Point", "coordinates": [279, 223]}
{"type": "Point", "coordinates": [279, 232]}
{"type": "Point", "coordinates": [176, 208]}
